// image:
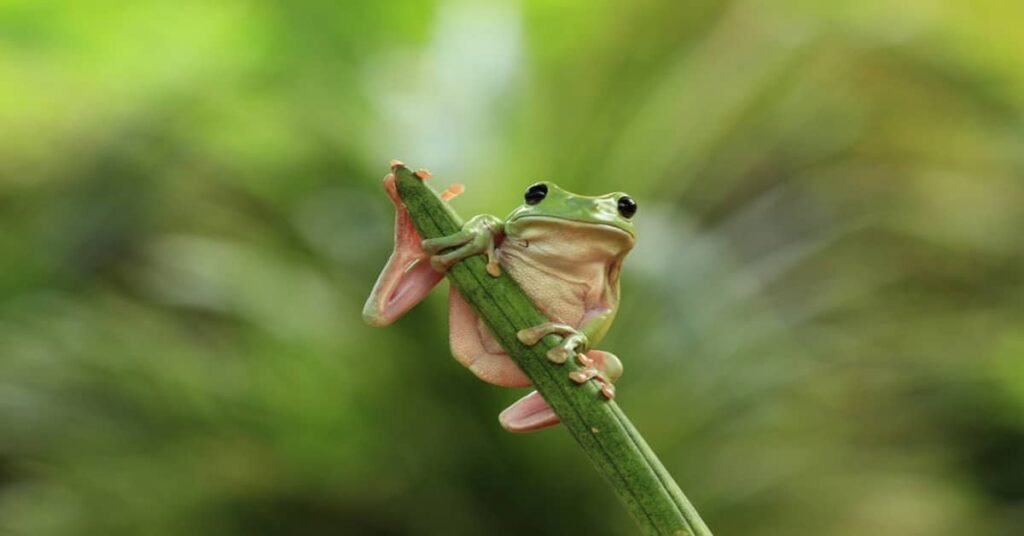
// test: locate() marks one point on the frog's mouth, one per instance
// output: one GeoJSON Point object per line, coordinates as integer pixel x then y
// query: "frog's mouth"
{"type": "Point", "coordinates": [574, 223]}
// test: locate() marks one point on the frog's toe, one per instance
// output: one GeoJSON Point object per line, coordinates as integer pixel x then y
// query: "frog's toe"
{"type": "Point", "coordinates": [584, 375]}
{"type": "Point", "coordinates": [601, 367]}
{"type": "Point", "coordinates": [528, 414]}
{"type": "Point", "coordinates": [532, 335]}
{"type": "Point", "coordinates": [493, 268]}
{"type": "Point", "coordinates": [558, 355]}
{"type": "Point", "coordinates": [452, 191]}
{"type": "Point", "coordinates": [607, 362]}
{"type": "Point", "coordinates": [574, 344]}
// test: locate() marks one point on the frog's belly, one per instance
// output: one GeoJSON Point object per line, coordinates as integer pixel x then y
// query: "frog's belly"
{"type": "Point", "coordinates": [560, 298]}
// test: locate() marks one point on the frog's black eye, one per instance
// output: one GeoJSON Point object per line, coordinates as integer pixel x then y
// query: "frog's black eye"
{"type": "Point", "coordinates": [536, 193]}
{"type": "Point", "coordinates": [627, 207]}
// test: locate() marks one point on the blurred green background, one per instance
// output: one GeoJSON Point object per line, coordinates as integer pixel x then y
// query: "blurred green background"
{"type": "Point", "coordinates": [822, 323]}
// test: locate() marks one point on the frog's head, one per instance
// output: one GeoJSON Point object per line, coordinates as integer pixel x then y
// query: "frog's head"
{"type": "Point", "coordinates": [547, 204]}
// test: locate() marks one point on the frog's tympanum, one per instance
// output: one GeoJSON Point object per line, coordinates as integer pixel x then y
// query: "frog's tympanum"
{"type": "Point", "coordinates": [564, 250]}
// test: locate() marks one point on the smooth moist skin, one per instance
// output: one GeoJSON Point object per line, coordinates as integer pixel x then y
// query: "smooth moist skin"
{"type": "Point", "coordinates": [564, 250]}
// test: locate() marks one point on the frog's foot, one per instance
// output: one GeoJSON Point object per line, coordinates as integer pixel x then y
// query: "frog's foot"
{"type": "Point", "coordinates": [476, 236]}
{"type": "Point", "coordinates": [573, 341]}
{"type": "Point", "coordinates": [532, 413]}
{"type": "Point", "coordinates": [528, 414]}
{"type": "Point", "coordinates": [407, 278]}
{"type": "Point", "coordinates": [600, 367]}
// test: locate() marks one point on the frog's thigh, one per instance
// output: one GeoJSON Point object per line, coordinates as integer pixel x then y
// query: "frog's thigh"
{"type": "Point", "coordinates": [474, 346]}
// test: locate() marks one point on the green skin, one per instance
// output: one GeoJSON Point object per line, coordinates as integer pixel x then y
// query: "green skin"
{"type": "Point", "coordinates": [565, 240]}
{"type": "Point", "coordinates": [564, 250]}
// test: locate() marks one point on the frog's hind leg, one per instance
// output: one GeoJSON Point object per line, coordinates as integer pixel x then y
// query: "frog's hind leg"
{"type": "Point", "coordinates": [532, 412]}
{"type": "Point", "coordinates": [528, 414]}
{"type": "Point", "coordinates": [474, 347]}
{"type": "Point", "coordinates": [407, 277]}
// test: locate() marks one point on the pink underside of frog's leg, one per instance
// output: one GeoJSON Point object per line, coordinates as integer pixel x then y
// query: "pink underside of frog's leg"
{"type": "Point", "coordinates": [407, 277]}
{"type": "Point", "coordinates": [528, 414]}
{"type": "Point", "coordinates": [469, 349]}
{"type": "Point", "coordinates": [532, 412]}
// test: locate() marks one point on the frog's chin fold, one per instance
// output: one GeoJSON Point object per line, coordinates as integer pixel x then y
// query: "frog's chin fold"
{"type": "Point", "coordinates": [528, 414]}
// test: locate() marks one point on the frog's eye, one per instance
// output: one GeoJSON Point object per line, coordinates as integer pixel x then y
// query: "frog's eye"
{"type": "Point", "coordinates": [627, 207]}
{"type": "Point", "coordinates": [536, 193]}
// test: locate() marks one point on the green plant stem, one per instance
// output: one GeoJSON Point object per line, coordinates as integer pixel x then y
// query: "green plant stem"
{"type": "Point", "coordinates": [599, 426]}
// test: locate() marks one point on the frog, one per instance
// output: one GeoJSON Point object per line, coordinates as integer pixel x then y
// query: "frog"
{"type": "Point", "coordinates": [565, 251]}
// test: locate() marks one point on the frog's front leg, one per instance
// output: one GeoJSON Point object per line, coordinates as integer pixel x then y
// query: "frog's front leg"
{"type": "Point", "coordinates": [478, 235]}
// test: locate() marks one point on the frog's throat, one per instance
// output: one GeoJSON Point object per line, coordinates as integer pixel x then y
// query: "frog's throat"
{"type": "Point", "coordinates": [603, 226]}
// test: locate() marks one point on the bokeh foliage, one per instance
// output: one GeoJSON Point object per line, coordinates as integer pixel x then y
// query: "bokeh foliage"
{"type": "Point", "coordinates": [822, 325]}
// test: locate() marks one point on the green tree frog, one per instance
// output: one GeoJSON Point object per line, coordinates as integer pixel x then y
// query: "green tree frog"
{"type": "Point", "coordinates": [565, 251]}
